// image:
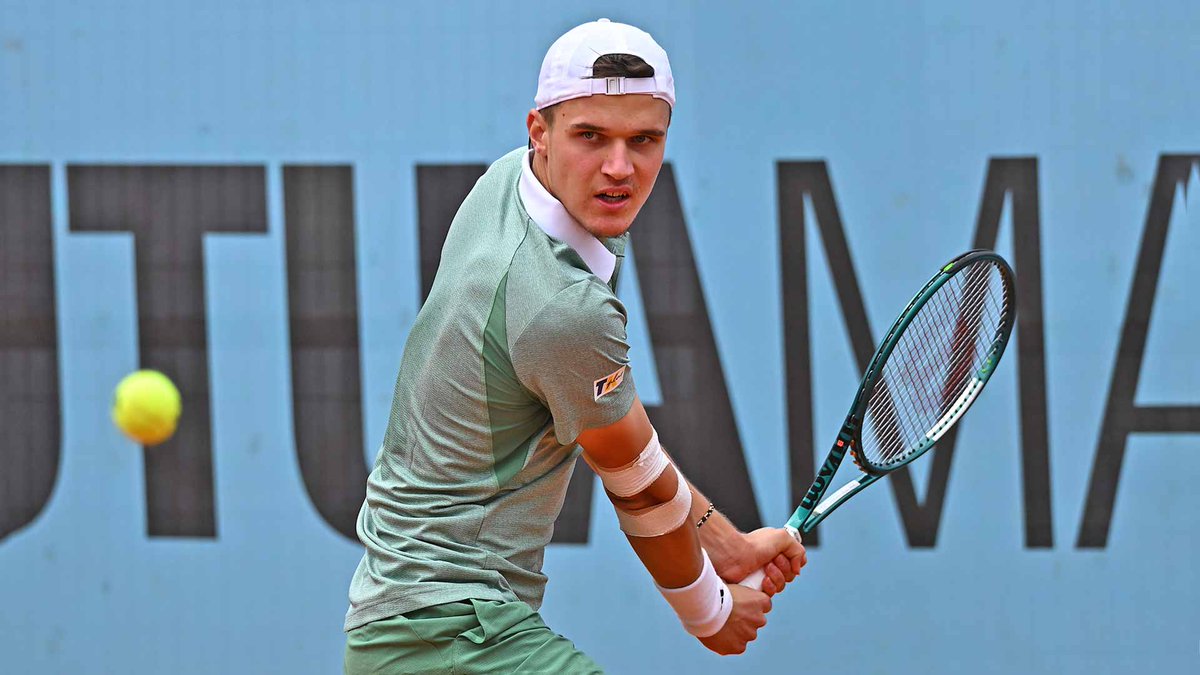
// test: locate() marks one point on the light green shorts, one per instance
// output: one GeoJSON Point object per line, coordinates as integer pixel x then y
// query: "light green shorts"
{"type": "Point", "coordinates": [463, 638]}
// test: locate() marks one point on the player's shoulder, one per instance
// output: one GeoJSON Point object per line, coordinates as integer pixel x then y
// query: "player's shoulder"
{"type": "Point", "coordinates": [506, 165]}
{"type": "Point", "coordinates": [548, 283]}
{"type": "Point", "coordinates": [576, 314]}
{"type": "Point", "coordinates": [509, 162]}
{"type": "Point", "coordinates": [585, 298]}
{"type": "Point", "coordinates": [494, 192]}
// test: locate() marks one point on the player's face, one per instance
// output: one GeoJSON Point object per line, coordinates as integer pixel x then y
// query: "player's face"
{"type": "Point", "coordinates": [600, 156]}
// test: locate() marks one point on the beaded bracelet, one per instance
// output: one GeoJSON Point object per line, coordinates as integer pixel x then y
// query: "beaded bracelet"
{"type": "Point", "coordinates": [706, 515]}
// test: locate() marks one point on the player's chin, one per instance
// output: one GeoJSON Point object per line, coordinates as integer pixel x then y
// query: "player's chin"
{"type": "Point", "coordinates": [607, 226]}
{"type": "Point", "coordinates": [611, 222]}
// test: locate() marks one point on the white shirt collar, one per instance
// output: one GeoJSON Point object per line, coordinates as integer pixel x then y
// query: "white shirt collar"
{"type": "Point", "coordinates": [552, 217]}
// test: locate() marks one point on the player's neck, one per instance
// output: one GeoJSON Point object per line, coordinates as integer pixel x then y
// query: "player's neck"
{"type": "Point", "coordinates": [541, 171]}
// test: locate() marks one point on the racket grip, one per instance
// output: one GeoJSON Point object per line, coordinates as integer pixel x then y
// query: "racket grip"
{"type": "Point", "coordinates": [754, 580]}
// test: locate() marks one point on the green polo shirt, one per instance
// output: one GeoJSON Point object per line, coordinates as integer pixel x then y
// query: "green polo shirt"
{"type": "Point", "coordinates": [519, 348]}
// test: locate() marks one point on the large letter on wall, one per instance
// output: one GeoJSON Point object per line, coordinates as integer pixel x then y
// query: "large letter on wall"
{"type": "Point", "coordinates": [323, 326]}
{"type": "Point", "coordinates": [1122, 416]}
{"type": "Point", "coordinates": [1017, 178]}
{"type": "Point", "coordinates": [796, 180]}
{"type": "Point", "coordinates": [169, 209]}
{"type": "Point", "coordinates": [29, 394]}
{"type": "Point", "coordinates": [696, 416]}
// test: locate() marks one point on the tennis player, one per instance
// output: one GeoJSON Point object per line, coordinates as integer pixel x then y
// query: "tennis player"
{"type": "Point", "coordinates": [517, 360]}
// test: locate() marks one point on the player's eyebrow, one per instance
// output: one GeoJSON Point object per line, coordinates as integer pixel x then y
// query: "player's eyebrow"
{"type": "Point", "coordinates": [584, 126]}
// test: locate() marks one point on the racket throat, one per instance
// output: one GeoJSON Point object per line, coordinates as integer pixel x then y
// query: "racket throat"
{"type": "Point", "coordinates": [827, 505]}
{"type": "Point", "coordinates": [839, 496]}
{"type": "Point", "coordinates": [821, 481]}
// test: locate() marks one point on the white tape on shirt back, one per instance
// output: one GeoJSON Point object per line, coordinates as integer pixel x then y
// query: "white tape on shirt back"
{"type": "Point", "coordinates": [657, 520]}
{"type": "Point", "coordinates": [703, 605]}
{"type": "Point", "coordinates": [635, 476]}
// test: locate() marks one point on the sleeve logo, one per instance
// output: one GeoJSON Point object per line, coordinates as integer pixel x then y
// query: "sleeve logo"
{"type": "Point", "coordinates": [606, 385]}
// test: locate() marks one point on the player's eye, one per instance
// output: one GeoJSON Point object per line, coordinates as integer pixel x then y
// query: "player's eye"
{"type": "Point", "coordinates": [587, 135]}
{"type": "Point", "coordinates": [642, 139]}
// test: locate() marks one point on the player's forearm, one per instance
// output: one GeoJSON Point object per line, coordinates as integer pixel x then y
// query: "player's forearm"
{"type": "Point", "coordinates": [653, 505]}
{"type": "Point", "coordinates": [670, 550]}
{"type": "Point", "coordinates": [717, 534]}
{"type": "Point", "coordinates": [674, 558]}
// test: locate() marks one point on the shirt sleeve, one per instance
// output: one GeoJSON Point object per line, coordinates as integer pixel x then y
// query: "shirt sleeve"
{"type": "Point", "coordinates": [574, 356]}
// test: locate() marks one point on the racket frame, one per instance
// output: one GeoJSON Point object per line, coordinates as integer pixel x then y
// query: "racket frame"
{"type": "Point", "coordinates": [815, 507]}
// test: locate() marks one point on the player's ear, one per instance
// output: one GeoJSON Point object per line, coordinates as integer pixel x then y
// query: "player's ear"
{"type": "Point", "coordinates": [535, 122]}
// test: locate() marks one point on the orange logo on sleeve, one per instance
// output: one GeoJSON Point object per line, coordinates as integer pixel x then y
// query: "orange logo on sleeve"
{"type": "Point", "coordinates": [606, 385]}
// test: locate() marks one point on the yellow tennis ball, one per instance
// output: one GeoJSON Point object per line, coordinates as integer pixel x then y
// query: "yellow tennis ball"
{"type": "Point", "coordinates": [146, 407]}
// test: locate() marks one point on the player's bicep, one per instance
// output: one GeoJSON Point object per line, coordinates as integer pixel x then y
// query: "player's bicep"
{"type": "Point", "coordinates": [629, 460]}
{"type": "Point", "coordinates": [619, 443]}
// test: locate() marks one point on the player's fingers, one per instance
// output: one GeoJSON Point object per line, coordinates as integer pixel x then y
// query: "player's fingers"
{"type": "Point", "coordinates": [785, 567]}
{"type": "Point", "coordinates": [788, 545]}
{"type": "Point", "coordinates": [800, 560]}
{"type": "Point", "coordinates": [768, 586]}
{"type": "Point", "coordinates": [775, 575]}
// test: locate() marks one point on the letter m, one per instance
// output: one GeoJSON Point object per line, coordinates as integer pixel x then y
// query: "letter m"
{"type": "Point", "coordinates": [1012, 179]}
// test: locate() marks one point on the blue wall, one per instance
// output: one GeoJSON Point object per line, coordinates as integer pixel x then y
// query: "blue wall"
{"type": "Point", "coordinates": [905, 102]}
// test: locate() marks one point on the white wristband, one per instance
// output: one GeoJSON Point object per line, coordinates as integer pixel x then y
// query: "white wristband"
{"type": "Point", "coordinates": [703, 605]}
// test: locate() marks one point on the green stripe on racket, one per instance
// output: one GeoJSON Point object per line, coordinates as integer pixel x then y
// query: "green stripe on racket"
{"type": "Point", "coordinates": [925, 374]}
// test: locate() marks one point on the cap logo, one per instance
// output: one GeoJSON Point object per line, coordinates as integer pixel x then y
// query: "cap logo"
{"type": "Point", "coordinates": [608, 384]}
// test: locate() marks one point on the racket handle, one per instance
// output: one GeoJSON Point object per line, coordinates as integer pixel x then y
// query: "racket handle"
{"type": "Point", "coordinates": [754, 580]}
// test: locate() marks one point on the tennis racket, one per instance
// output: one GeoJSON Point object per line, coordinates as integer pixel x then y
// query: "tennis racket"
{"type": "Point", "coordinates": [925, 374]}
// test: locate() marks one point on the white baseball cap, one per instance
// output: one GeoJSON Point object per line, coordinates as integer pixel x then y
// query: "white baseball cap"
{"type": "Point", "coordinates": [567, 69]}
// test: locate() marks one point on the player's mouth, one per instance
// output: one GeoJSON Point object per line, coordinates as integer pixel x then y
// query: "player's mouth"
{"type": "Point", "coordinates": [614, 198]}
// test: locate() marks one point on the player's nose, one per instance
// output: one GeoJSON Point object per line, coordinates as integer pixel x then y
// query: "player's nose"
{"type": "Point", "coordinates": [617, 164]}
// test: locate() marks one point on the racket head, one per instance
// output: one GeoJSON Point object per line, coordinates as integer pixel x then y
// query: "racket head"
{"type": "Point", "coordinates": [933, 362]}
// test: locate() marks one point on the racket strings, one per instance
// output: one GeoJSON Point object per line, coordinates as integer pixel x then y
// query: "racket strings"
{"type": "Point", "coordinates": [956, 377]}
{"type": "Point", "coordinates": [901, 419]}
{"type": "Point", "coordinates": [917, 366]}
{"type": "Point", "coordinates": [934, 362]}
{"type": "Point", "coordinates": [897, 414]}
{"type": "Point", "coordinates": [925, 373]}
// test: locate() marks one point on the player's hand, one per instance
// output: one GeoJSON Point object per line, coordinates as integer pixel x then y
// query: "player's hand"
{"type": "Point", "coordinates": [770, 549]}
{"type": "Point", "coordinates": [749, 614]}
